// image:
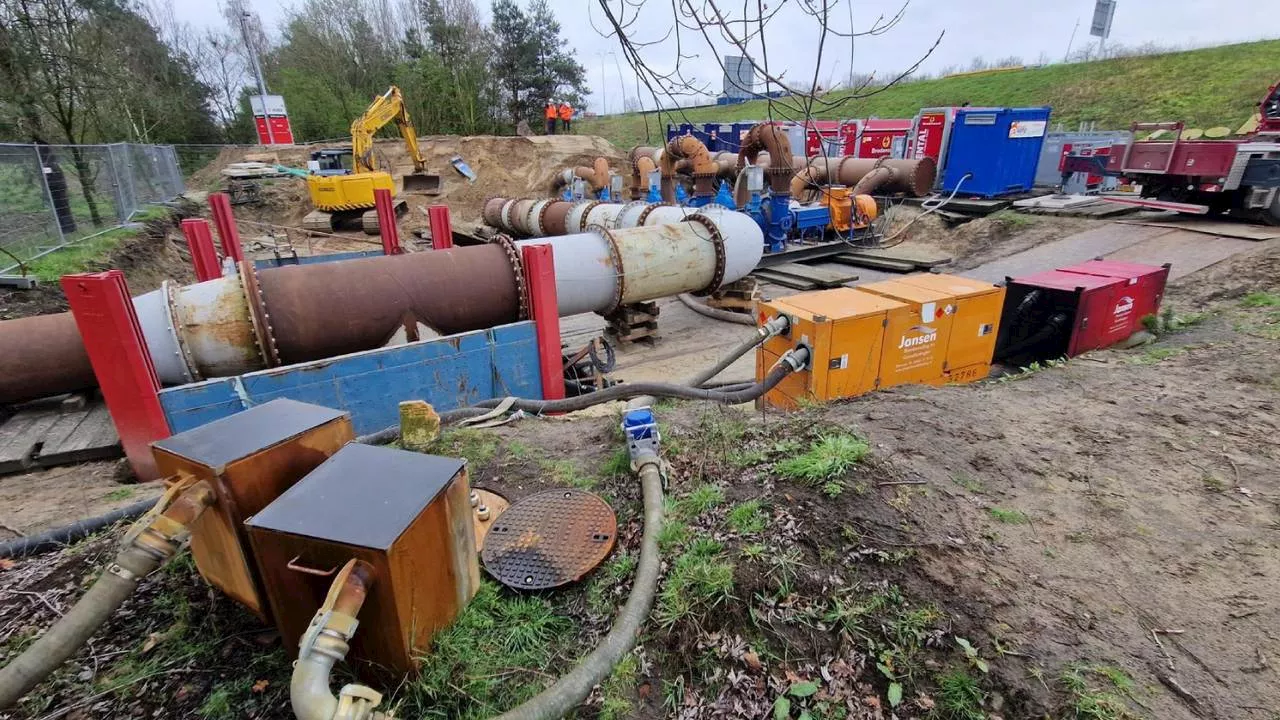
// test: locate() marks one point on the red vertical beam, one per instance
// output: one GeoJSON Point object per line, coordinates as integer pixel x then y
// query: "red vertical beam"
{"type": "Point", "coordinates": [113, 340]}
{"type": "Point", "coordinates": [203, 255]}
{"type": "Point", "coordinates": [220, 204]}
{"type": "Point", "coordinates": [441, 227]}
{"type": "Point", "coordinates": [387, 222]}
{"type": "Point", "coordinates": [540, 280]}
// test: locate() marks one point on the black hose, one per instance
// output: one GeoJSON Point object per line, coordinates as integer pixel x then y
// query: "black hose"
{"type": "Point", "coordinates": [715, 313]}
{"type": "Point", "coordinates": [78, 530]}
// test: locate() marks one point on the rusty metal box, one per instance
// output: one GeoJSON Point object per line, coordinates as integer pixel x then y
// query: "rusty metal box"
{"type": "Point", "coordinates": [249, 459]}
{"type": "Point", "coordinates": [1144, 285]}
{"type": "Point", "coordinates": [406, 514]}
{"type": "Point", "coordinates": [844, 330]}
{"type": "Point", "coordinates": [1057, 314]}
{"type": "Point", "coordinates": [962, 316]}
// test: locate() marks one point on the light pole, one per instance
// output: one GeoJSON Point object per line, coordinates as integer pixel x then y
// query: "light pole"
{"type": "Point", "coordinates": [604, 89]}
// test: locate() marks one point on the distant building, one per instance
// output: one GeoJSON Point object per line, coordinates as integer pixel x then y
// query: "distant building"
{"type": "Point", "coordinates": [739, 78]}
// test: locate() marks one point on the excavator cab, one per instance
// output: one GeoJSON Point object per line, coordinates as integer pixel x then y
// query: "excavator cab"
{"type": "Point", "coordinates": [335, 161]}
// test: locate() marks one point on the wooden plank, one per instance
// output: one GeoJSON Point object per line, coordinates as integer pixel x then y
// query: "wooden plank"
{"type": "Point", "coordinates": [872, 262]}
{"type": "Point", "coordinates": [918, 255]}
{"type": "Point", "coordinates": [94, 437]}
{"type": "Point", "coordinates": [25, 431]}
{"type": "Point", "coordinates": [1242, 231]}
{"type": "Point", "coordinates": [785, 280]}
{"type": "Point", "coordinates": [822, 276]}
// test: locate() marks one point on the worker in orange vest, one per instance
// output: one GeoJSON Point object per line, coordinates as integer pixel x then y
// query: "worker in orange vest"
{"type": "Point", "coordinates": [566, 114]}
{"type": "Point", "coordinates": [550, 114]}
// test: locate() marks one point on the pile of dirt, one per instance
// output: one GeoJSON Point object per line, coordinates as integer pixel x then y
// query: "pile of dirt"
{"type": "Point", "coordinates": [981, 240]}
{"type": "Point", "coordinates": [504, 166]}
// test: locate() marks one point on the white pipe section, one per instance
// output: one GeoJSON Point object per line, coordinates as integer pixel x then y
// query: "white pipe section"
{"type": "Point", "coordinates": [629, 215]}
{"type": "Point", "coordinates": [602, 215]}
{"type": "Point", "coordinates": [573, 221]}
{"type": "Point", "coordinates": [657, 261]}
{"type": "Point", "coordinates": [535, 218]}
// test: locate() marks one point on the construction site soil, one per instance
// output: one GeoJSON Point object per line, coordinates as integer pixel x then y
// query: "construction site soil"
{"type": "Point", "coordinates": [1091, 539]}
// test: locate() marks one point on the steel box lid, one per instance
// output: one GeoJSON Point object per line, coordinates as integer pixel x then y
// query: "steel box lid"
{"type": "Point", "coordinates": [909, 292]}
{"type": "Point", "coordinates": [1115, 269]}
{"type": "Point", "coordinates": [836, 304]}
{"type": "Point", "coordinates": [954, 285]}
{"type": "Point", "coordinates": [1060, 280]}
{"type": "Point", "coordinates": [363, 495]}
{"type": "Point", "coordinates": [247, 432]}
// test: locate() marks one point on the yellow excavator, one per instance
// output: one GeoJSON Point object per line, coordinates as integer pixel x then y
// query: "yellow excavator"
{"type": "Point", "coordinates": [341, 181]}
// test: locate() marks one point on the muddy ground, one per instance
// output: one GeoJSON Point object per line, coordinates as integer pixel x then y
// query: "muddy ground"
{"type": "Point", "coordinates": [1102, 533]}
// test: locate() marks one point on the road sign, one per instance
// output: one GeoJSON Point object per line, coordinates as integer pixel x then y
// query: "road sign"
{"type": "Point", "coordinates": [1103, 12]}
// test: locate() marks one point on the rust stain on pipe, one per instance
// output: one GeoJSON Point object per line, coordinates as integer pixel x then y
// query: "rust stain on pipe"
{"type": "Point", "coordinates": [866, 175]}
{"type": "Point", "coordinates": [492, 211]}
{"type": "Point", "coordinates": [42, 355]}
{"type": "Point", "coordinates": [554, 218]}
{"type": "Point", "coordinates": [327, 309]}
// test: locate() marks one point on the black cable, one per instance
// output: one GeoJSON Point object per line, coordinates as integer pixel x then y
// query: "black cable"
{"type": "Point", "coordinates": [67, 534]}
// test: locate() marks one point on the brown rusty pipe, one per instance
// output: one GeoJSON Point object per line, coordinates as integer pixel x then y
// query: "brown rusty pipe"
{"type": "Point", "coordinates": [865, 176]}
{"type": "Point", "coordinates": [766, 137]}
{"type": "Point", "coordinates": [597, 176]}
{"type": "Point", "coordinates": [51, 359]}
{"type": "Point", "coordinates": [491, 213]}
{"type": "Point", "coordinates": [691, 149]}
{"type": "Point", "coordinates": [642, 163]}
{"type": "Point", "coordinates": [367, 300]}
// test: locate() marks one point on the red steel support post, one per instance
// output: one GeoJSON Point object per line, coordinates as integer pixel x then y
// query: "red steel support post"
{"type": "Point", "coordinates": [441, 227]}
{"type": "Point", "coordinates": [220, 204]}
{"type": "Point", "coordinates": [108, 325]}
{"type": "Point", "coordinates": [540, 280]}
{"type": "Point", "coordinates": [387, 222]}
{"type": "Point", "coordinates": [203, 254]}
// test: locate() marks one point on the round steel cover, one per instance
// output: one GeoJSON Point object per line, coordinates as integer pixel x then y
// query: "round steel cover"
{"type": "Point", "coordinates": [549, 539]}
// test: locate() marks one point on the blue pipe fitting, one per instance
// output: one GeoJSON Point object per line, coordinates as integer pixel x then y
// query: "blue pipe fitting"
{"type": "Point", "coordinates": [725, 197]}
{"type": "Point", "coordinates": [778, 221]}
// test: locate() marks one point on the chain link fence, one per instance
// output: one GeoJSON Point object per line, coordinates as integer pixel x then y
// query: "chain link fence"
{"type": "Point", "coordinates": [52, 196]}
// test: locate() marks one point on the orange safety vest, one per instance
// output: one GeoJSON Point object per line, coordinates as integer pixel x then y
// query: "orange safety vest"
{"type": "Point", "coordinates": [551, 111]}
{"type": "Point", "coordinates": [566, 112]}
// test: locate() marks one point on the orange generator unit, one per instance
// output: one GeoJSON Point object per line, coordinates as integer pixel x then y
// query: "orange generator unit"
{"type": "Point", "coordinates": [917, 329]}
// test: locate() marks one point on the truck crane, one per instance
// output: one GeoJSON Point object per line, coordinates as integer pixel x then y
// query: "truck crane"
{"type": "Point", "coordinates": [341, 181]}
{"type": "Point", "coordinates": [1202, 177]}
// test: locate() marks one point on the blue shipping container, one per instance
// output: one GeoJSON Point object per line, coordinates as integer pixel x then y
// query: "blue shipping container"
{"type": "Point", "coordinates": [998, 149]}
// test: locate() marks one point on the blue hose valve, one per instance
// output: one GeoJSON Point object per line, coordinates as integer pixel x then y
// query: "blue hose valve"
{"type": "Point", "coordinates": [641, 429]}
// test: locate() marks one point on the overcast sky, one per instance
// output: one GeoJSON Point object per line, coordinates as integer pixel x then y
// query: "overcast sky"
{"type": "Point", "coordinates": [987, 28]}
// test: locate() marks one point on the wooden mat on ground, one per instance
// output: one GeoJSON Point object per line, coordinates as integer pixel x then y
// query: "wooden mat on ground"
{"type": "Point", "coordinates": [49, 436]}
{"type": "Point", "coordinates": [1223, 228]}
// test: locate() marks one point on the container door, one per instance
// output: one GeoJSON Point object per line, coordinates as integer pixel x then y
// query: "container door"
{"type": "Point", "coordinates": [974, 326]}
{"type": "Point", "coordinates": [853, 362]}
{"type": "Point", "coordinates": [1103, 319]}
{"type": "Point", "coordinates": [915, 345]}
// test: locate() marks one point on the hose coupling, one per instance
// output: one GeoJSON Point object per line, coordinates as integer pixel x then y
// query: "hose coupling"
{"type": "Point", "coordinates": [167, 527]}
{"type": "Point", "coordinates": [357, 702]}
{"type": "Point", "coordinates": [641, 430]}
{"type": "Point", "coordinates": [775, 326]}
{"type": "Point", "coordinates": [328, 635]}
{"type": "Point", "coordinates": [797, 358]}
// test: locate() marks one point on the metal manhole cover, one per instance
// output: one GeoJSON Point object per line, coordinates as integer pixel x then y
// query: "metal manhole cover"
{"type": "Point", "coordinates": [549, 539]}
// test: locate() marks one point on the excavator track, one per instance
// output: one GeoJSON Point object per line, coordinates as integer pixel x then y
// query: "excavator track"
{"type": "Point", "coordinates": [318, 221]}
{"type": "Point", "coordinates": [369, 221]}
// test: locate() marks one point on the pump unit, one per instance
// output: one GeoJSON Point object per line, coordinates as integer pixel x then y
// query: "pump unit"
{"type": "Point", "coordinates": [931, 329]}
{"type": "Point", "coordinates": [1057, 314]}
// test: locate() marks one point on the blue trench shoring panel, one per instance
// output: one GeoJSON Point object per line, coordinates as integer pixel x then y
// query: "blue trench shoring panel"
{"type": "Point", "coordinates": [448, 372]}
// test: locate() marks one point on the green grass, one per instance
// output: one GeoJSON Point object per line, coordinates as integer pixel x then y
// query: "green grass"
{"type": "Point", "coordinates": [1014, 218]}
{"type": "Point", "coordinates": [476, 446]}
{"type": "Point", "coordinates": [1205, 88]}
{"type": "Point", "coordinates": [566, 473]}
{"type": "Point", "coordinates": [601, 595]}
{"type": "Point", "coordinates": [1089, 699]}
{"type": "Point", "coordinates": [959, 696]}
{"type": "Point", "coordinates": [123, 493]}
{"type": "Point", "coordinates": [1261, 299]}
{"type": "Point", "coordinates": [1157, 355]}
{"type": "Point", "coordinates": [501, 651]}
{"type": "Point", "coordinates": [618, 464]}
{"type": "Point", "coordinates": [747, 518]}
{"type": "Point", "coordinates": [826, 461]}
{"type": "Point", "coordinates": [700, 579]}
{"type": "Point", "coordinates": [619, 689]}
{"type": "Point", "coordinates": [702, 499]}
{"type": "Point", "coordinates": [1007, 516]}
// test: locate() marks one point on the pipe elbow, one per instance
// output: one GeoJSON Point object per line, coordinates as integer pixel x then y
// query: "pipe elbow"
{"type": "Point", "coordinates": [309, 692]}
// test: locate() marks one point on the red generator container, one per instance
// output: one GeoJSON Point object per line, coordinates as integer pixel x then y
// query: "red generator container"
{"type": "Point", "coordinates": [816, 132]}
{"type": "Point", "coordinates": [850, 131]}
{"type": "Point", "coordinates": [883, 139]}
{"type": "Point", "coordinates": [1144, 285]}
{"type": "Point", "coordinates": [1057, 314]}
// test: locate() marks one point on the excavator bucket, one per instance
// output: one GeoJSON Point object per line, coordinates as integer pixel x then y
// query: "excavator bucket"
{"type": "Point", "coordinates": [421, 184]}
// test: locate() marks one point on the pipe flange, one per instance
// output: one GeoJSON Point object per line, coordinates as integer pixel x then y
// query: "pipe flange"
{"type": "Point", "coordinates": [517, 267]}
{"type": "Point", "coordinates": [622, 211]}
{"type": "Point", "coordinates": [615, 254]}
{"type": "Point", "coordinates": [258, 316]}
{"type": "Point", "coordinates": [539, 226]}
{"type": "Point", "coordinates": [179, 331]}
{"type": "Point", "coordinates": [485, 205]}
{"type": "Point", "coordinates": [717, 277]}
{"type": "Point", "coordinates": [586, 210]}
{"type": "Point", "coordinates": [644, 214]}
{"type": "Point", "coordinates": [505, 215]}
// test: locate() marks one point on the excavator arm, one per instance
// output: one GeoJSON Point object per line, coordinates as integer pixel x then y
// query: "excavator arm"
{"type": "Point", "coordinates": [385, 108]}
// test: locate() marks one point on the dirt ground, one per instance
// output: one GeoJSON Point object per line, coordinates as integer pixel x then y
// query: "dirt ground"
{"type": "Point", "coordinates": [1102, 533]}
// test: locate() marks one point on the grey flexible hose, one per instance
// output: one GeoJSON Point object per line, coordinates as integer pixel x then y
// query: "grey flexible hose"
{"type": "Point", "coordinates": [77, 626]}
{"type": "Point", "coordinates": [741, 349]}
{"type": "Point", "coordinates": [715, 313]}
{"type": "Point", "coordinates": [572, 689]}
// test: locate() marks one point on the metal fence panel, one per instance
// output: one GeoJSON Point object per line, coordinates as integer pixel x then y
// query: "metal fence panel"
{"type": "Point", "coordinates": [52, 196]}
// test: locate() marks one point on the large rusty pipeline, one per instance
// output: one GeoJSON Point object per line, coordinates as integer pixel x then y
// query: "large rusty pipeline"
{"type": "Point", "coordinates": [597, 176]}
{"type": "Point", "coordinates": [866, 175]}
{"type": "Point", "coordinates": [257, 319]}
{"type": "Point", "coordinates": [691, 149]}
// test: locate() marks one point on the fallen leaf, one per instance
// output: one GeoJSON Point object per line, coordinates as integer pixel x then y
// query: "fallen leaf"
{"type": "Point", "coordinates": [152, 640]}
{"type": "Point", "coordinates": [752, 660]}
{"type": "Point", "coordinates": [6, 564]}
{"type": "Point", "coordinates": [261, 686]}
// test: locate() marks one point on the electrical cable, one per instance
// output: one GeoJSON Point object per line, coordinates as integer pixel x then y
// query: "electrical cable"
{"type": "Point", "coordinates": [929, 210]}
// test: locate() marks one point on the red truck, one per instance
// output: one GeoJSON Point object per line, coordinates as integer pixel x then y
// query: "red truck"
{"type": "Point", "coordinates": [1204, 177]}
